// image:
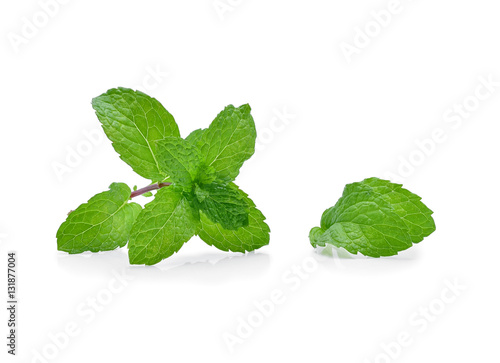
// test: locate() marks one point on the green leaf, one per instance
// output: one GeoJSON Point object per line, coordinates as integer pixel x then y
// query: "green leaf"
{"type": "Point", "coordinates": [206, 175]}
{"type": "Point", "coordinates": [134, 122]}
{"type": "Point", "coordinates": [162, 228]}
{"type": "Point", "coordinates": [249, 238]}
{"type": "Point", "coordinates": [416, 215]}
{"type": "Point", "coordinates": [368, 228]}
{"type": "Point", "coordinates": [195, 136]}
{"type": "Point", "coordinates": [101, 224]}
{"type": "Point", "coordinates": [228, 142]}
{"type": "Point", "coordinates": [376, 218]}
{"type": "Point", "coordinates": [180, 159]}
{"type": "Point", "coordinates": [201, 194]}
{"type": "Point", "coordinates": [223, 204]}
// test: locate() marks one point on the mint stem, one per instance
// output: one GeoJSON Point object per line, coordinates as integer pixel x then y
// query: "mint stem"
{"type": "Point", "coordinates": [149, 188]}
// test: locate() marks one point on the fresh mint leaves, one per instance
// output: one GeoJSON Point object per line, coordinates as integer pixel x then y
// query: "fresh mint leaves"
{"type": "Point", "coordinates": [375, 218]}
{"type": "Point", "coordinates": [195, 192]}
{"type": "Point", "coordinates": [101, 224]}
{"type": "Point", "coordinates": [134, 122]}
{"type": "Point", "coordinates": [193, 178]}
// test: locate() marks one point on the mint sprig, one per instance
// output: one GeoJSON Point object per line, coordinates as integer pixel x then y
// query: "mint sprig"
{"type": "Point", "coordinates": [375, 218]}
{"type": "Point", "coordinates": [193, 179]}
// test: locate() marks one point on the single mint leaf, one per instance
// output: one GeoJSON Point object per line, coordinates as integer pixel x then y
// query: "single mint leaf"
{"type": "Point", "coordinates": [162, 228]}
{"type": "Point", "coordinates": [416, 215]}
{"type": "Point", "coordinates": [179, 159]}
{"type": "Point", "coordinates": [134, 122]}
{"type": "Point", "coordinates": [228, 142]}
{"type": "Point", "coordinates": [223, 204]}
{"type": "Point", "coordinates": [195, 136]}
{"type": "Point", "coordinates": [363, 222]}
{"type": "Point", "coordinates": [368, 229]}
{"type": "Point", "coordinates": [376, 218]}
{"type": "Point", "coordinates": [101, 224]}
{"type": "Point", "coordinates": [249, 238]}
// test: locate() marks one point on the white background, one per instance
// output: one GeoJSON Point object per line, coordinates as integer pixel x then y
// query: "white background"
{"type": "Point", "coordinates": [351, 120]}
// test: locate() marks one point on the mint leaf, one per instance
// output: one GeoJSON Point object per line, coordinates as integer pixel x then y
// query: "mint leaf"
{"type": "Point", "coordinates": [134, 122]}
{"type": "Point", "coordinates": [206, 175]}
{"type": "Point", "coordinates": [162, 228]}
{"type": "Point", "coordinates": [249, 238]}
{"type": "Point", "coordinates": [179, 159]}
{"type": "Point", "coordinates": [376, 218]}
{"type": "Point", "coordinates": [195, 136]}
{"type": "Point", "coordinates": [416, 215]}
{"type": "Point", "coordinates": [101, 224]}
{"type": "Point", "coordinates": [369, 227]}
{"type": "Point", "coordinates": [223, 204]}
{"type": "Point", "coordinates": [228, 142]}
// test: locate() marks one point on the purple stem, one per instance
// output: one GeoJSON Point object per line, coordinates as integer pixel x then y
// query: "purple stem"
{"type": "Point", "coordinates": [149, 188]}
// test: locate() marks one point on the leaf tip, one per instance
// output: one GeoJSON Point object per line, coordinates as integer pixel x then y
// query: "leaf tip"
{"type": "Point", "coordinates": [315, 235]}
